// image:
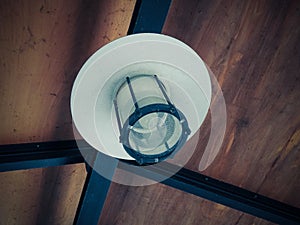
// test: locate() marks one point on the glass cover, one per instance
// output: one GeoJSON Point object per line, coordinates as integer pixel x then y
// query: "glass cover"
{"type": "Point", "coordinates": [146, 91]}
{"type": "Point", "coordinates": [155, 133]}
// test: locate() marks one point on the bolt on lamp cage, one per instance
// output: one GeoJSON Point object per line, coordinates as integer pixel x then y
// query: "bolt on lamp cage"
{"type": "Point", "coordinates": [151, 127]}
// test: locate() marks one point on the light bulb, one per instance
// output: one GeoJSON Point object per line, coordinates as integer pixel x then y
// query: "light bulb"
{"type": "Point", "coordinates": [151, 128]}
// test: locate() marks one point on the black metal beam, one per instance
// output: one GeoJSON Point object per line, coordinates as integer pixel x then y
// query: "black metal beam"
{"type": "Point", "coordinates": [149, 16]}
{"type": "Point", "coordinates": [39, 155]}
{"type": "Point", "coordinates": [35, 155]}
{"type": "Point", "coordinates": [95, 190]}
{"type": "Point", "coordinates": [219, 192]}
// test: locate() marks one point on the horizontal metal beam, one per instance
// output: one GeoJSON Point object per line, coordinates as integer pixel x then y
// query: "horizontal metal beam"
{"type": "Point", "coordinates": [219, 192]}
{"type": "Point", "coordinates": [35, 155]}
{"type": "Point", "coordinates": [39, 155]}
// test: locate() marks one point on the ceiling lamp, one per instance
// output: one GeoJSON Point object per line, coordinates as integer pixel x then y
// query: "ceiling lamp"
{"type": "Point", "coordinates": [141, 97]}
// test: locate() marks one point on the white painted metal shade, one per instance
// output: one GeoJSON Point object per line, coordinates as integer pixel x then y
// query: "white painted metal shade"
{"type": "Point", "coordinates": [180, 69]}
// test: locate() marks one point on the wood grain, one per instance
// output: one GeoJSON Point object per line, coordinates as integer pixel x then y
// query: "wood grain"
{"type": "Point", "coordinates": [251, 46]}
{"type": "Point", "coordinates": [43, 45]}
{"type": "Point", "coordinates": [159, 204]}
{"type": "Point", "coordinates": [253, 49]}
{"type": "Point", "coordinates": [41, 196]}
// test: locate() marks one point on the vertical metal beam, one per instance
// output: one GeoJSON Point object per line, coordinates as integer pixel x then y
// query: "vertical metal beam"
{"type": "Point", "coordinates": [95, 190]}
{"type": "Point", "coordinates": [149, 16]}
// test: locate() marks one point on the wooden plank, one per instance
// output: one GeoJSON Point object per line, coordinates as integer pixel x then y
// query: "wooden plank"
{"type": "Point", "coordinates": [253, 49]}
{"type": "Point", "coordinates": [159, 204]}
{"type": "Point", "coordinates": [41, 196]}
{"type": "Point", "coordinates": [43, 46]}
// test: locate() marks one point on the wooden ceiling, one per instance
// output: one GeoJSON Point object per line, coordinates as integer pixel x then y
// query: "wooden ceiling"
{"type": "Point", "coordinates": [251, 46]}
{"type": "Point", "coordinates": [253, 49]}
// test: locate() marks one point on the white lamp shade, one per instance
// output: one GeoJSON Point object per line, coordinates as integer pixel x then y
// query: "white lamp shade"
{"type": "Point", "coordinates": [181, 71]}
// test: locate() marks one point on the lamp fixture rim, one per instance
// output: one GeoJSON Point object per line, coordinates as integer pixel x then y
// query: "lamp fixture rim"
{"type": "Point", "coordinates": [103, 70]}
